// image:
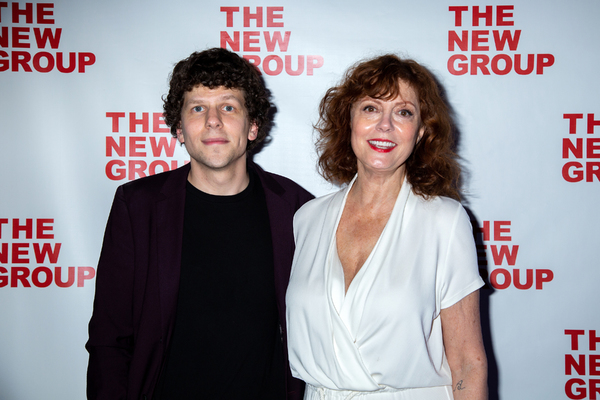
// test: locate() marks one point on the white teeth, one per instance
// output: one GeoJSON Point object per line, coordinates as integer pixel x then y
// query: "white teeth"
{"type": "Point", "coordinates": [383, 145]}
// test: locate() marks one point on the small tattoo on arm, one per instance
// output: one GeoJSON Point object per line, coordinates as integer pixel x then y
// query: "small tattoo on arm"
{"type": "Point", "coordinates": [459, 386]}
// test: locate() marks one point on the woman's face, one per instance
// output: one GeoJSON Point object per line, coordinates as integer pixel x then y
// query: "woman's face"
{"type": "Point", "coordinates": [385, 132]}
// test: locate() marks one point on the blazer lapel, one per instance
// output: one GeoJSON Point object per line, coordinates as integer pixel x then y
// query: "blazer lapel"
{"type": "Point", "coordinates": [169, 214]}
{"type": "Point", "coordinates": [280, 219]}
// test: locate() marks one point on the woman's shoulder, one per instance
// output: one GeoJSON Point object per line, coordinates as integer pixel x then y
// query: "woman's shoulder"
{"type": "Point", "coordinates": [316, 210]}
{"type": "Point", "coordinates": [321, 203]}
{"type": "Point", "coordinates": [439, 208]}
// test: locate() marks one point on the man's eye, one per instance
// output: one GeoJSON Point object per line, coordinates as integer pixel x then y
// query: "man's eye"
{"type": "Point", "coordinates": [228, 108]}
{"type": "Point", "coordinates": [198, 108]}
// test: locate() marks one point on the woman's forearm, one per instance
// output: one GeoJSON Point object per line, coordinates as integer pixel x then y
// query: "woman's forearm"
{"type": "Point", "coordinates": [470, 381]}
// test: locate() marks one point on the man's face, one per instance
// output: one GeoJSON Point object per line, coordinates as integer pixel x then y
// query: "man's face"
{"type": "Point", "coordinates": [215, 128]}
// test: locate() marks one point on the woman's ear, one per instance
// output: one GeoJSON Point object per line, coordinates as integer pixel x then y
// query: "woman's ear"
{"type": "Point", "coordinates": [421, 133]}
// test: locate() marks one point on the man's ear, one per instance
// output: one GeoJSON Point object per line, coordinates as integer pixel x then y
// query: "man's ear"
{"type": "Point", "coordinates": [253, 133]}
{"type": "Point", "coordinates": [180, 133]}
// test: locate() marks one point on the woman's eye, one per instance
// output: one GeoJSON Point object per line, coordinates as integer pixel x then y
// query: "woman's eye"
{"type": "Point", "coordinates": [369, 108]}
{"type": "Point", "coordinates": [405, 113]}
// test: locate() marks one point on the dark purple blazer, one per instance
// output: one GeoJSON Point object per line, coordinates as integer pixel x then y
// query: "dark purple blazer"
{"type": "Point", "coordinates": [138, 278]}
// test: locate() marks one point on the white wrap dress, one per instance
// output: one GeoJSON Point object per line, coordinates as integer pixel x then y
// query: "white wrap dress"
{"type": "Point", "coordinates": [383, 338]}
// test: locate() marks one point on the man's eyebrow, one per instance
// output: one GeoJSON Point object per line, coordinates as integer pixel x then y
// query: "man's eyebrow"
{"type": "Point", "coordinates": [222, 97]}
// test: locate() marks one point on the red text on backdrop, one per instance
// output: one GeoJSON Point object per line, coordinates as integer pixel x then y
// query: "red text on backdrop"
{"type": "Point", "coordinates": [506, 253]}
{"type": "Point", "coordinates": [585, 149]}
{"type": "Point", "coordinates": [478, 55]}
{"type": "Point", "coordinates": [31, 245]}
{"type": "Point", "coordinates": [129, 154]}
{"type": "Point", "coordinates": [585, 364]}
{"type": "Point", "coordinates": [273, 42]}
{"type": "Point", "coordinates": [32, 19]}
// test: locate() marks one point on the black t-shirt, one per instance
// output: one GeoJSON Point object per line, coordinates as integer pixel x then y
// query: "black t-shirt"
{"type": "Point", "coordinates": [226, 342]}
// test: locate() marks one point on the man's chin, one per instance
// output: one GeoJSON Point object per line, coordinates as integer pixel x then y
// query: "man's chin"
{"type": "Point", "coordinates": [220, 163]}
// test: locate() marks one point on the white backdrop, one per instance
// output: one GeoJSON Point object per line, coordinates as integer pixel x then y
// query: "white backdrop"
{"type": "Point", "coordinates": [81, 85]}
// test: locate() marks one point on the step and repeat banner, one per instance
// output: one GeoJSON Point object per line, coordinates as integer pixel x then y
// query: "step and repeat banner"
{"type": "Point", "coordinates": [80, 113]}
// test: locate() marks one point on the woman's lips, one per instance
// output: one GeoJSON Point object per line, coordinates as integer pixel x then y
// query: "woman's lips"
{"type": "Point", "coordinates": [383, 146]}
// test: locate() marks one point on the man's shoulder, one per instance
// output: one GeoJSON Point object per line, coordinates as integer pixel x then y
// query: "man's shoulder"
{"type": "Point", "coordinates": [285, 182]}
{"type": "Point", "coordinates": [152, 185]}
{"type": "Point", "coordinates": [281, 185]}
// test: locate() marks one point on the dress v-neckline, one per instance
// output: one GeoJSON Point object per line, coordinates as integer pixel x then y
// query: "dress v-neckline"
{"type": "Point", "coordinates": [343, 299]}
{"type": "Point", "coordinates": [347, 309]}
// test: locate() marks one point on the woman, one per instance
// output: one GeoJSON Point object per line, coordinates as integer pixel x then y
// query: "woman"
{"type": "Point", "coordinates": [383, 296]}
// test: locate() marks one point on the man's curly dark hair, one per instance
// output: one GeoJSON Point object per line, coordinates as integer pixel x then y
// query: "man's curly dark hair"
{"type": "Point", "coordinates": [214, 68]}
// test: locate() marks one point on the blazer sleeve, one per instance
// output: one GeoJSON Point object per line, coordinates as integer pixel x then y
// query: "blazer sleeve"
{"type": "Point", "coordinates": [110, 343]}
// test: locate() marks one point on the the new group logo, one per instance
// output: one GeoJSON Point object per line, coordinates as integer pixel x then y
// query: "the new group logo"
{"type": "Point", "coordinates": [30, 39]}
{"type": "Point", "coordinates": [261, 35]}
{"type": "Point", "coordinates": [140, 144]}
{"type": "Point", "coordinates": [581, 149]}
{"type": "Point", "coordinates": [582, 364]}
{"type": "Point", "coordinates": [29, 256]}
{"type": "Point", "coordinates": [484, 41]}
{"type": "Point", "coordinates": [494, 239]}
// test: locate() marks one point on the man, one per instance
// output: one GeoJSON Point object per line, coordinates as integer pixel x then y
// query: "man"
{"type": "Point", "coordinates": [191, 281]}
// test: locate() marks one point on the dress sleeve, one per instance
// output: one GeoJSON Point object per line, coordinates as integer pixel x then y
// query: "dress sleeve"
{"type": "Point", "coordinates": [459, 273]}
{"type": "Point", "coordinates": [110, 343]}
